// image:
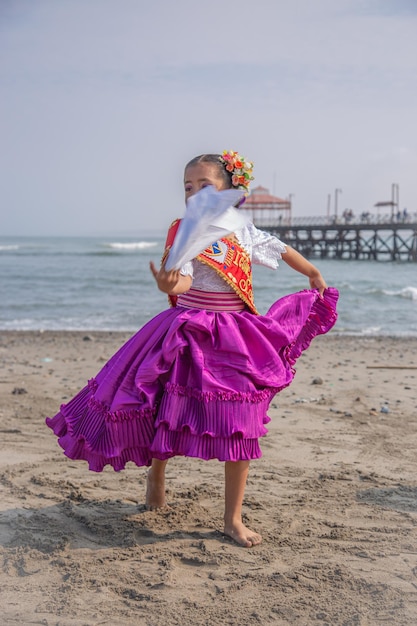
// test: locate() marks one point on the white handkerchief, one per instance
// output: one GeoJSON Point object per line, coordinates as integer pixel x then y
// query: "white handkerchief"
{"type": "Point", "coordinates": [210, 215]}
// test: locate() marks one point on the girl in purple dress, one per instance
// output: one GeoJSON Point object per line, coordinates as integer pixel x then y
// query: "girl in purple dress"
{"type": "Point", "coordinates": [198, 378]}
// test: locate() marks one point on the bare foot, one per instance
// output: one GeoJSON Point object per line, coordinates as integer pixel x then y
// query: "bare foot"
{"type": "Point", "coordinates": [242, 535]}
{"type": "Point", "coordinates": [155, 492]}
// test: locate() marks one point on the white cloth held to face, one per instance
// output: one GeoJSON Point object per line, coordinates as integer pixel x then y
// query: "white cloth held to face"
{"type": "Point", "coordinates": [210, 215]}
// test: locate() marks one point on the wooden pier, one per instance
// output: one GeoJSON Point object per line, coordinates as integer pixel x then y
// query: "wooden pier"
{"type": "Point", "coordinates": [389, 237]}
{"type": "Point", "coordinates": [386, 240]}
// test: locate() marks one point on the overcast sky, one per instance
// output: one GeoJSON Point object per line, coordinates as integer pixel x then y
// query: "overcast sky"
{"type": "Point", "coordinates": [102, 102]}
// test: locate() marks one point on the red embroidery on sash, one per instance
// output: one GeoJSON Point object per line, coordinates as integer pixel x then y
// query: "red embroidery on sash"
{"type": "Point", "coordinates": [233, 264]}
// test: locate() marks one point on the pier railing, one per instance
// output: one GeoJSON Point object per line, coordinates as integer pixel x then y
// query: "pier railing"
{"type": "Point", "coordinates": [322, 220]}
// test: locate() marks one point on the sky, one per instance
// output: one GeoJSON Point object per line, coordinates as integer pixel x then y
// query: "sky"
{"type": "Point", "coordinates": [103, 102]}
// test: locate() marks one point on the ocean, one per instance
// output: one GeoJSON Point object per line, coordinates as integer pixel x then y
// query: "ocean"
{"type": "Point", "coordinates": [104, 283]}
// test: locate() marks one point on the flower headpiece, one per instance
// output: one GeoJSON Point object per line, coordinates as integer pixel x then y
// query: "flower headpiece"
{"type": "Point", "coordinates": [240, 169]}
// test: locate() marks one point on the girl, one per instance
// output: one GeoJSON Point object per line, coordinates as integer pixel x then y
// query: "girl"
{"type": "Point", "coordinates": [197, 379]}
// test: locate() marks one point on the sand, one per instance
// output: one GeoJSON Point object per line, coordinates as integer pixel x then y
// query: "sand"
{"type": "Point", "coordinates": [334, 496]}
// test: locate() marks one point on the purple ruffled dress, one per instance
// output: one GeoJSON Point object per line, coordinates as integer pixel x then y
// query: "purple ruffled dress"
{"type": "Point", "coordinates": [192, 382]}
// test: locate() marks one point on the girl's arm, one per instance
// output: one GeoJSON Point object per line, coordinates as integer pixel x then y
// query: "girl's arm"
{"type": "Point", "coordinates": [172, 282]}
{"type": "Point", "coordinates": [296, 260]}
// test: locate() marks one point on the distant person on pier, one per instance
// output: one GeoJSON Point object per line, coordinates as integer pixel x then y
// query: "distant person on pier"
{"type": "Point", "coordinates": [348, 215]}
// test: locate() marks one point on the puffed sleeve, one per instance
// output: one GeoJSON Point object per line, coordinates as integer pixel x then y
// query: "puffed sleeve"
{"type": "Point", "coordinates": [187, 269]}
{"type": "Point", "coordinates": [266, 248]}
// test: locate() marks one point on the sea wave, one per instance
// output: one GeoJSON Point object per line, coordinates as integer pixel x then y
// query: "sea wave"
{"type": "Point", "coordinates": [87, 323]}
{"type": "Point", "coordinates": [371, 332]}
{"type": "Point", "coordinates": [134, 245]}
{"type": "Point", "coordinates": [9, 247]}
{"type": "Point", "coordinates": [409, 293]}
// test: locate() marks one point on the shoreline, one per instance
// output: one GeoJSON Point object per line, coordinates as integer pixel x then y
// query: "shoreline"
{"type": "Point", "coordinates": [334, 496]}
{"type": "Point", "coordinates": [123, 332]}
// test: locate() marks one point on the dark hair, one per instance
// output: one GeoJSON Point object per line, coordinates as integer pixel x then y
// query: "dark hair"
{"type": "Point", "coordinates": [216, 160]}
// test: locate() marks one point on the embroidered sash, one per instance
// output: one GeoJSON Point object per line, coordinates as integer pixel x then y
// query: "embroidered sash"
{"type": "Point", "coordinates": [229, 260]}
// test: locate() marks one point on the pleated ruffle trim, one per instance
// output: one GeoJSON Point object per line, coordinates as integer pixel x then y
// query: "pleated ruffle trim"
{"type": "Point", "coordinates": [210, 396]}
{"type": "Point", "coordinates": [321, 319]}
{"type": "Point", "coordinates": [186, 422]}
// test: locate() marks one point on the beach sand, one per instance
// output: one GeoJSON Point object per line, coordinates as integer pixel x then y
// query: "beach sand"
{"type": "Point", "coordinates": [334, 496]}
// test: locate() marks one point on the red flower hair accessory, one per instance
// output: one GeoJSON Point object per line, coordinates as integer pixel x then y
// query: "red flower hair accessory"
{"type": "Point", "coordinates": [240, 169]}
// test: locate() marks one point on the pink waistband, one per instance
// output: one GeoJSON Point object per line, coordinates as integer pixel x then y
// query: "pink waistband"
{"type": "Point", "coordinates": [211, 300]}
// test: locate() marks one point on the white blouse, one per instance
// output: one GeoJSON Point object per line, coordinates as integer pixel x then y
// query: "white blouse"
{"type": "Point", "coordinates": [262, 247]}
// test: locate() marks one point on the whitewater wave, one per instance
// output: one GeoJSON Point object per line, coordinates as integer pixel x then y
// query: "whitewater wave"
{"type": "Point", "coordinates": [83, 323]}
{"type": "Point", "coordinates": [9, 247]}
{"type": "Point", "coordinates": [134, 245]}
{"type": "Point", "coordinates": [409, 293]}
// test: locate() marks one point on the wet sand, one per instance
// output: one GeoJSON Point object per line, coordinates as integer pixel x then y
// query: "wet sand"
{"type": "Point", "coordinates": [334, 496]}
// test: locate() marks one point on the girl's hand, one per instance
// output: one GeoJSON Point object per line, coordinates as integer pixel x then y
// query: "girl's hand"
{"type": "Point", "coordinates": [296, 260]}
{"type": "Point", "coordinates": [166, 281]}
{"type": "Point", "coordinates": [172, 282]}
{"type": "Point", "coordinates": [317, 282]}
